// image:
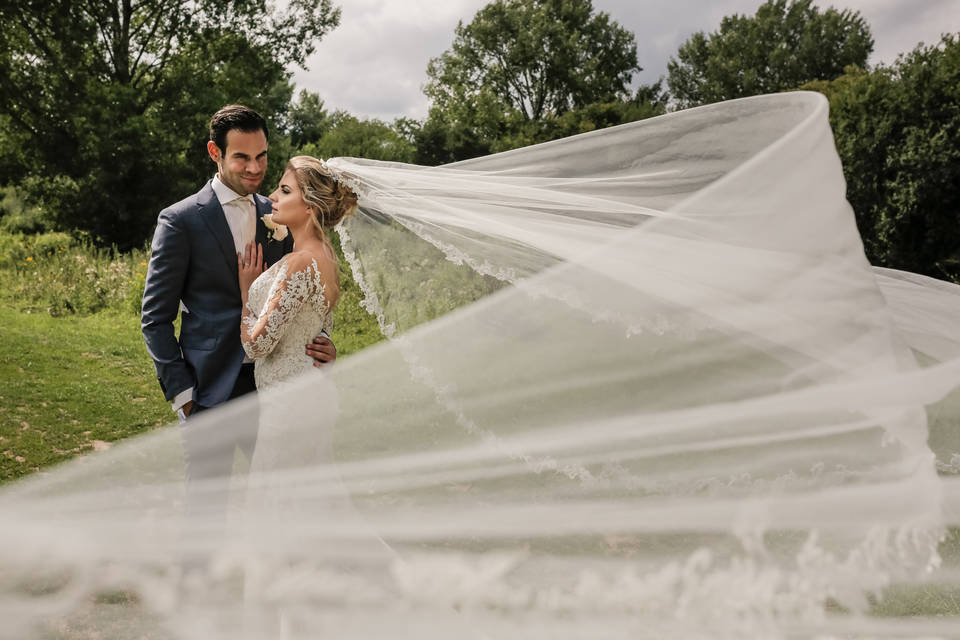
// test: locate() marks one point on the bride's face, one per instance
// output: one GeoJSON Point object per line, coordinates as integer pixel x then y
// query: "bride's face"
{"type": "Point", "coordinates": [288, 206]}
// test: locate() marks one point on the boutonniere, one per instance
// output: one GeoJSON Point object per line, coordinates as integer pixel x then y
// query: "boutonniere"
{"type": "Point", "coordinates": [274, 231]}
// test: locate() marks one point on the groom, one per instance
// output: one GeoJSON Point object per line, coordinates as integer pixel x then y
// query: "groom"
{"type": "Point", "coordinates": [193, 270]}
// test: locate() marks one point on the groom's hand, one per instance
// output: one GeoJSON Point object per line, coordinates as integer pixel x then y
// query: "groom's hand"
{"type": "Point", "coordinates": [187, 408]}
{"type": "Point", "coordinates": [322, 351]}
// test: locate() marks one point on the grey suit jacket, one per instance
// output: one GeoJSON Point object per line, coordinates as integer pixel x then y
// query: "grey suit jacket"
{"type": "Point", "coordinates": [193, 259]}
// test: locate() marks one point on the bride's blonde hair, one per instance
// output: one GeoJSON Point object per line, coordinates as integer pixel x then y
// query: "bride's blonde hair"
{"type": "Point", "coordinates": [332, 200]}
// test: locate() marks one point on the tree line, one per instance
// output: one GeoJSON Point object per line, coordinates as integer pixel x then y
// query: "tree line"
{"type": "Point", "coordinates": [104, 103]}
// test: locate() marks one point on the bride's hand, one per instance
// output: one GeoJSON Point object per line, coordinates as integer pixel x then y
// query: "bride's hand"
{"type": "Point", "coordinates": [249, 266]}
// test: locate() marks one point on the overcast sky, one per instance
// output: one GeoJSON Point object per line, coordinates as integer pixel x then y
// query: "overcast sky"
{"type": "Point", "coordinates": [374, 63]}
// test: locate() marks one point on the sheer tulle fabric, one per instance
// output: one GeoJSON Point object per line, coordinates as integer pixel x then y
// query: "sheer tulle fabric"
{"type": "Point", "coordinates": [639, 383]}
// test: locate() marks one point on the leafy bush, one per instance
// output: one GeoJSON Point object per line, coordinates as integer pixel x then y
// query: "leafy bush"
{"type": "Point", "coordinates": [19, 249]}
{"type": "Point", "coordinates": [16, 216]}
{"type": "Point", "coordinates": [56, 274]}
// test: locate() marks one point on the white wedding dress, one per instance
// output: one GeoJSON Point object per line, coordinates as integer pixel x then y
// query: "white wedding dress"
{"type": "Point", "coordinates": [296, 310]}
{"type": "Point", "coordinates": [287, 307]}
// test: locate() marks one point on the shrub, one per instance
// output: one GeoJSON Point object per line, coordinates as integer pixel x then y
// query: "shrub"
{"type": "Point", "coordinates": [61, 276]}
{"type": "Point", "coordinates": [16, 248]}
{"type": "Point", "coordinates": [16, 216]}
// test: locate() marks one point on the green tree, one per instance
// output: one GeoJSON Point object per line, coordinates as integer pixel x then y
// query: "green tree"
{"type": "Point", "coordinates": [349, 136]}
{"type": "Point", "coordinates": [897, 130]}
{"type": "Point", "coordinates": [537, 57]}
{"type": "Point", "coordinates": [308, 119]}
{"type": "Point", "coordinates": [787, 43]}
{"type": "Point", "coordinates": [520, 62]}
{"type": "Point", "coordinates": [12, 160]}
{"type": "Point", "coordinates": [442, 139]}
{"type": "Point", "coordinates": [111, 98]}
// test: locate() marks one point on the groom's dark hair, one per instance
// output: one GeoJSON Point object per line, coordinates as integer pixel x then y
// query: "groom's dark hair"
{"type": "Point", "coordinates": [235, 116]}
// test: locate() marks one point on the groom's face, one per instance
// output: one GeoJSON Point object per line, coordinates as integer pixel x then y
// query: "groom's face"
{"type": "Point", "coordinates": [243, 163]}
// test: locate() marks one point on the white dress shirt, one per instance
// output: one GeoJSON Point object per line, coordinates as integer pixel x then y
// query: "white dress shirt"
{"type": "Point", "coordinates": [240, 212]}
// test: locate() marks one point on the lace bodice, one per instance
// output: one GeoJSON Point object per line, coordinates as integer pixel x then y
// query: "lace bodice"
{"type": "Point", "coordinates": [286, 308]}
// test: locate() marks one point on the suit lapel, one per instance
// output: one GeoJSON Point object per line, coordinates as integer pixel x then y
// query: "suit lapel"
{"type": "Point", "coordinates": [216, 221]}
{"type": "Point", "coordinates": [272, 249]}
{"type": "Point", "coordinates": [263, 206]}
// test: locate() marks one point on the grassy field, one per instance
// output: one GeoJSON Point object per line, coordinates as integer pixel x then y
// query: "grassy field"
{"type": "Point", "coordinates": [71, 385]}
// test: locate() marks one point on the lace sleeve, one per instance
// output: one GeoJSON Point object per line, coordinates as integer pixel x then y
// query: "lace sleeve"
{"type": "Point", "coordinates": [292, 288]}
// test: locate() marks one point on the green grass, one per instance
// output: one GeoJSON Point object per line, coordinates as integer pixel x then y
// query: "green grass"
{"type": "Point", "coordinates": [71, 385]}
{"type": "Point", "coordinates": [76, 383]}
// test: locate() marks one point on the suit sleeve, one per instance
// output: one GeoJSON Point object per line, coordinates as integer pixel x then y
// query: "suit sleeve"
{"type": "Point", "coordinates": [166, 274]}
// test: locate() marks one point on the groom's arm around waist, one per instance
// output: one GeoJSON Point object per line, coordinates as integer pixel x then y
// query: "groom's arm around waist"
{"type": "Point", "coordinates": [166, 275]}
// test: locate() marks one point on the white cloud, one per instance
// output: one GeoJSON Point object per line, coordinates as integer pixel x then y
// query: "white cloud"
{"type": "Point", "coordinates": [899, 25]}
{"type": "Point", "coordinates": [375, 62]}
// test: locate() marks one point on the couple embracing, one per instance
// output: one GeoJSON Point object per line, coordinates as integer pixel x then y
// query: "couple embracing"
{"type": "Point", "coordinates": [255, 301]}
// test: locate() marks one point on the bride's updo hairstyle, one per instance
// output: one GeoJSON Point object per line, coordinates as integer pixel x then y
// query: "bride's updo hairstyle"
{"type": "Point", "coordinates": [332, 200]}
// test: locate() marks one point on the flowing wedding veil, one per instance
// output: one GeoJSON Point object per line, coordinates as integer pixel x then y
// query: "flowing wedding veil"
{"type": "Point", "coordinates": [640, 382]}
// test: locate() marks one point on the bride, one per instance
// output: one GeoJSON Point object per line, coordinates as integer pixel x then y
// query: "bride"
{"type": "Point", "coordinates": [283, 307]}
{"type": "Point", "coordinates": [291, 300]}
{"type": "Point", "coordinates": [297, 294]}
